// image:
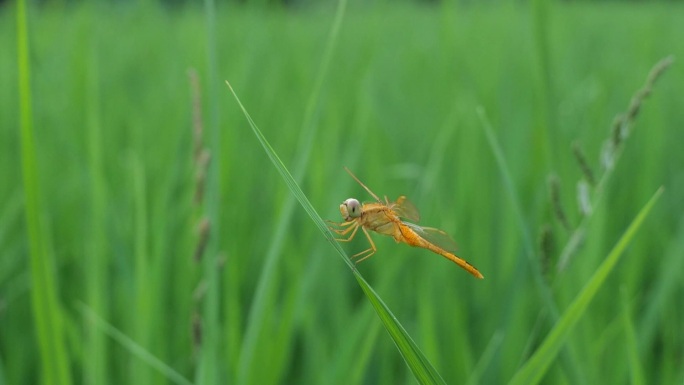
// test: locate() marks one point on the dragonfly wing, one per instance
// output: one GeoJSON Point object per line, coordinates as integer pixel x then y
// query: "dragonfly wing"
{"type": "Point", "coordinates": [405, 209]}
{"type": "Point", "coordinates": [435, 236]}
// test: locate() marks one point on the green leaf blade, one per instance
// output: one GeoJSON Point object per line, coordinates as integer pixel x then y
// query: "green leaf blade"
{"type": "Point", "coordinates": [47, 312]}
{"type": "Point", "coordinates": [535, 368]}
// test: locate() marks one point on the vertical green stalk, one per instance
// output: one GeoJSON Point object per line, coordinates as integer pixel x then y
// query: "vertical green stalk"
{"type": "Point", "coordinates": [631, 345]}
{"type": "Point", "coordinates": [542, 140]}
{"type": "Point", "coordinates": [143, 305]}
{"type": "Point", "coordinates": [663, 291]}
{"type": "Point", "coordinates": [95, 260]}
{"type": "Point", "coordinates": [46, 311]}
{"type": "Point", "coordinates": [208, 367]}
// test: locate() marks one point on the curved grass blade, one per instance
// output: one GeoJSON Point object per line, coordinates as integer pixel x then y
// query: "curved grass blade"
{"type": "Point", "coordinates": [414, 358]}
{"type": "Point", "coordinates": [535, 368]}
{"type": "Point", "coordinates": [130, 345]}
{"type": "Point", "coordinates": [487, 357]}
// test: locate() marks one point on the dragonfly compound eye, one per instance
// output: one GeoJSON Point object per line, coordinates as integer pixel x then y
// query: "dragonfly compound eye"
{"type": "Point", "coordinates": [353, 208]}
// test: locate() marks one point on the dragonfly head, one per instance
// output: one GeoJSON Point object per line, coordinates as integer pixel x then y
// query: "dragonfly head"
{"type": "Point", "coordinates": [350, 209]}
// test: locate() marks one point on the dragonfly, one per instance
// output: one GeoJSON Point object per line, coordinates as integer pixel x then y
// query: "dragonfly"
{"type": "Point", "coordinates": [396, 220]}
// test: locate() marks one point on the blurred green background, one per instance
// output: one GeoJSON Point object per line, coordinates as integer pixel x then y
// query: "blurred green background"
{"type": "Point", "coordinates": [269, 302]}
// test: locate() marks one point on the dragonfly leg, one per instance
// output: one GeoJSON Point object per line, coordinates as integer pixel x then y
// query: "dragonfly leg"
{"type": "Point", "coordinates": [333, 225]}
{"type": "Point", "coordinates": [338, 227]}
{"type": "Point", "coordinates": [343, 232]}
{"type": "Point", "coordinates": [369, 253]}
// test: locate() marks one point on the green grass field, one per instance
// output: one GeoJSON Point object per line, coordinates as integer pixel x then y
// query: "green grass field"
{"type": "Point", "coordinates": [99, 222]}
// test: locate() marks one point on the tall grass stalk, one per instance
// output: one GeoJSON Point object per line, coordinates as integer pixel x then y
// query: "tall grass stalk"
{"type": "Point", "coordinates": [95, 346]}
{"type": "Point", "coordinates": [665, 288]}
{"type": "Point", "coordinates": [543, 142]}
{"type": "Point", "coordinates": [632, 346]}
{"type": "Point", "coordinates": [47, 314]}
{"type": "Point", "coordinates": [144, 292]}
{"type": "Point", "coordinates": [209, 323]}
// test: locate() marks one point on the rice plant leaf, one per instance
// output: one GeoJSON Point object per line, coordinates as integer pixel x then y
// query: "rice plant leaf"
{"type": "Point", "coordinates": [421, 368]}
{"type": "Point", "coordinates": [47, 312]}
{"type": "Point", "coordinates": [535, 368]}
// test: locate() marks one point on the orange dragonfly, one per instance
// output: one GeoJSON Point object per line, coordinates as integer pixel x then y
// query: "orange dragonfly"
{"type": "Point", "coordinates": [386, 218]}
